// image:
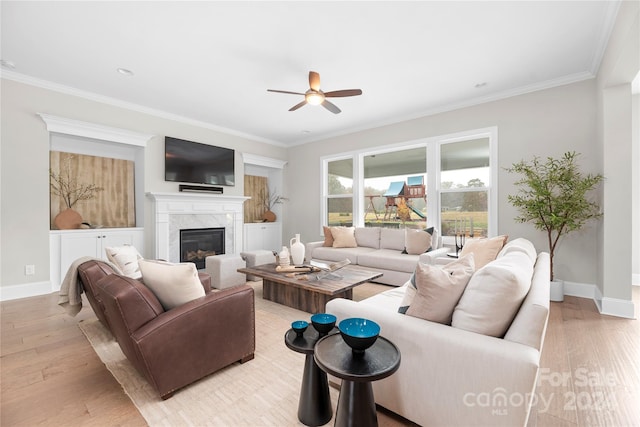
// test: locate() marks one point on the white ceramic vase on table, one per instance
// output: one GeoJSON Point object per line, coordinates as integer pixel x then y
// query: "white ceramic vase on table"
{"type": "Point", "coordinates": [297, 250]}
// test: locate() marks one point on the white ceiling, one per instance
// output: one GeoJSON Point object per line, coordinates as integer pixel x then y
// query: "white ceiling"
{"type": "Point", "coordinates": [211, 63]}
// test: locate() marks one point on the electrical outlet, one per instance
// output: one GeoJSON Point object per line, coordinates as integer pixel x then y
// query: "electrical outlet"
{"type": "Point", "coordinates": [29, 270]}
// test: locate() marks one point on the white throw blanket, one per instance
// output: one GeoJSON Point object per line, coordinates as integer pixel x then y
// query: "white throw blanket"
{"type": "Point", "coordinates": [70, 295]}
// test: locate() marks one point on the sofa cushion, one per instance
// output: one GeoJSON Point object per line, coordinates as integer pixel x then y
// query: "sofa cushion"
{"type": "Point", "coordinates": [339, 254]}
{"type": "Point", "coordinates": [344, 237]}
{"type": "Point", "coordinates": [484, 250]}
{"type": "Point", "coordinates": [328, 237]}
{"type": "Point", "coordinates": [126, 259]}
{"type": "Point", "coordinates": [417, 241]}
{"type": "Point", "coordinates": [439, 289]}
{"type": "Point", "coordinates": [392, 238]}
{"type": "Point", "coordinates": [388, 259]}
{"type": "Point", "coordinates": [368, 237]}
{"type": "Point", "coordinates": [522, 245]}
{"type": "Point", "coordinates": [172, 284]}
{"type": "Point", "coordinates": [494, 295]}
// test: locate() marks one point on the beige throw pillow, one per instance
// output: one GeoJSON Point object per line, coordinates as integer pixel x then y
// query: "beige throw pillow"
{"type": "Point", "coordinates": [439, 289]}
{"type": "Point", "coordinates": [417, 241]}
{"type": "Point", "coordinates": [172, 284]}
{"type": "Point", "coordinates": [126, 259]}
{"type": "Point", "coordinates": [344, 237]}
{"type": "Point", "coordinates": [328, 237]}
{"type": "Point", "coordinates": [494, 295]}
{"type": "Point", "coordinates": [484, 250]}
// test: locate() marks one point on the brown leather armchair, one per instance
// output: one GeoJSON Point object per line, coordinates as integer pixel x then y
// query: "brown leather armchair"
{"type": "Point", "coordinates": [174, 348]}
{"type": "Point", "coordinates": [91, 271]}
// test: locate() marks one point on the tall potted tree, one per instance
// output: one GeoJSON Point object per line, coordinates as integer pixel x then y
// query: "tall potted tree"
{"type": "Point", "coordinates": [552, 195]}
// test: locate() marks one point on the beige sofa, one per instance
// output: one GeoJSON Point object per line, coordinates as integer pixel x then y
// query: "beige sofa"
{"type": "Point", "coordinates": [379, 249]}
{"type": "Point", "coordinates": [453, 377]}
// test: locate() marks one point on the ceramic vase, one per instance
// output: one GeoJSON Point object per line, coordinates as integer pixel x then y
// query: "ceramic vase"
{"type": "Point", "coordinates": [297, 250]}
{"type": "Point", "coordinates": [283, 257]}
{"type": "Point", "coordinates": [68, 219]}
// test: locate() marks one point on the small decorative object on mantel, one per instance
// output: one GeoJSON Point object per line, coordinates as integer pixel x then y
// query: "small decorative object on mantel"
{"type": "Point", "coordinates": [269, 201]}
{"type": "Point", "coordinates": [64, 185]}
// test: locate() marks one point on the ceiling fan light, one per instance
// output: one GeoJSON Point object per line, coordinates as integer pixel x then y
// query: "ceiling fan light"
{"type": "Point", "coordinates": [314, 98]}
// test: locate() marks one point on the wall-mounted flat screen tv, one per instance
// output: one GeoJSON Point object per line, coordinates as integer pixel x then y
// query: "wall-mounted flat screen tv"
{"type": "Point", "coordinates": [196, 163]}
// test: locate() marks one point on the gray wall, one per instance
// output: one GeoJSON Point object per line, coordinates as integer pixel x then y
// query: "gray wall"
{"type": "Point", "coordinates": [543, 123]}
{"type": "Point", "coordinates": [24, 156]}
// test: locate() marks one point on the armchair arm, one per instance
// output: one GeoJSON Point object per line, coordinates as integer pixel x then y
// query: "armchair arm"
{"type": "Point", "coordinates": [310, 247]}
{"type": "Point", "coordinates": [184, 344]}
{"type": "Point", "coordinates": [430, 257]}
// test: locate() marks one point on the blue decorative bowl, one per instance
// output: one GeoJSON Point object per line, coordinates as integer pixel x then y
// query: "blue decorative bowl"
{"type": "Point", "coordinates": [323, 322]}
{"type": "Point", "coordinates": [299, 326]}
{"type": "Point", "coordinates": [359, 333]}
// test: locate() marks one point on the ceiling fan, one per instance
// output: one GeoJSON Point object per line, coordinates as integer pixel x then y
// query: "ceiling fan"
{"type": "Point", "coordinates": [315, 96]}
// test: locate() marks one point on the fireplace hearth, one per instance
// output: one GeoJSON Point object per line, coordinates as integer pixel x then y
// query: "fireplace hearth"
{"type": "Point", "coordinates": [198, 243]}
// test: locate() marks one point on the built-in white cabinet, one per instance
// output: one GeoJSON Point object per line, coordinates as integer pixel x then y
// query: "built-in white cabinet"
{"type": "Point", "coordinates": [263, 235]}
{"type": "Point", "coordinates": [69, 245]}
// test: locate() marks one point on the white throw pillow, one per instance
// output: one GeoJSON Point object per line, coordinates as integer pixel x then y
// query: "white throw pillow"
{"type": "Point", "coordinates": [344, 237]}
{"type": "Point", "coordinates": [126, 259]}
{"type": "Point", "coordinates": [484, 250]}
{"type": "Point", "coordinates": [172, 284]}
{"type": "Point", "coordinates": [439, 289]}
{"type": "Point", "coordinates": [494, 295]}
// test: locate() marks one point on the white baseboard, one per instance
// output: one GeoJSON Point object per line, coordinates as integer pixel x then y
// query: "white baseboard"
{"type": "Point", "coordinates": [611, 306]}
{"type": "Point", "coordinates": [614, 306]}
{"type": "Point", "coordinates": [581, 290]}
{"type": "Point", "coordinates": [24, 290]}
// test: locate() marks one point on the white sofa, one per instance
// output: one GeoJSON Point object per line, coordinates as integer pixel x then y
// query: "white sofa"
{"type": "Point", "coordinates": [379, 249]}
{"type": "Point", "coordinates": [453, 377]}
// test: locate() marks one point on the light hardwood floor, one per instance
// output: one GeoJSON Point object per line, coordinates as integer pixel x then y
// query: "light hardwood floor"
{"type": "Point", "coordinates": [50, 374]}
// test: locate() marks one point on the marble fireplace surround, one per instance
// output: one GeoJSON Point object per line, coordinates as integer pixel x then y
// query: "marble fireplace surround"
{"type": "Point", "coordinates": [175, 211]}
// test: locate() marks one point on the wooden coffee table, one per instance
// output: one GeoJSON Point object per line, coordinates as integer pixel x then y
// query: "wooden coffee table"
{"type": "Point", "coordinates": [309, 295]}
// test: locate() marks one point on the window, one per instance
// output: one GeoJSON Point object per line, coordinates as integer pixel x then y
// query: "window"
{"type": "Point", "coordinates": [447, 182]}
{"type": "Point", "coordinates": [464, 194]}
{"type": "Point", "coordinates": [395, 188]}
{"type": "Point", "coordinates": [339, 192]}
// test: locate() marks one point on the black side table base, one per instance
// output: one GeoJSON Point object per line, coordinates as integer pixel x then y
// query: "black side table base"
{"type": "Point", "coordinates": [314, 407]}
{"type": "Point", "coordinates": [356, 405]}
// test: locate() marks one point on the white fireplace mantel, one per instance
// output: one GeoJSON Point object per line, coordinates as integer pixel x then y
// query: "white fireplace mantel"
{"type": "Point", "coordinates": [175, 211]}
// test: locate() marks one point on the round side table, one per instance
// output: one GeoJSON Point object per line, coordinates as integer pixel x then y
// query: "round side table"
{"type": "Point", "coordinates": [314, 407]}
{"type": "Point", "coordinates": [356, 405]}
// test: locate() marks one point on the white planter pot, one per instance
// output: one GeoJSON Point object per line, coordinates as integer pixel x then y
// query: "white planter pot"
{"type": "Point", "coordinates": [557, 291]}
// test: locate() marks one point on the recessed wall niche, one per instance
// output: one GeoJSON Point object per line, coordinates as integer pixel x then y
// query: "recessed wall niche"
{"type": "Point", "coordinates": [112, 206]}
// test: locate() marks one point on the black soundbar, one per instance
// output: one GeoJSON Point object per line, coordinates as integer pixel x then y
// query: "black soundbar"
{"type": "Point", "coordinates": [201, 188]}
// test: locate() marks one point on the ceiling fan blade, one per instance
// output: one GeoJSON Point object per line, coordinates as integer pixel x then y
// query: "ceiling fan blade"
{"type": "Point", "coordinates": [285, 91]}
{"type": "Point", "coordinates": [295, 107]}
{"type": "Point", "coordinates": [331, 107]}
{"type": "Point", "coordinates": [314, 80]}
{"type": "Point", "coordinates": [346, 92]}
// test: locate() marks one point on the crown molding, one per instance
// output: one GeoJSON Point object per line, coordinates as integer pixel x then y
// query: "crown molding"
{"type": "Point", "coordinates": [95, 131]}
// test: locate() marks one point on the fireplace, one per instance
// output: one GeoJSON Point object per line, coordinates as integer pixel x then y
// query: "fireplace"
{"type": "Point", "coordinates": [196, 244]}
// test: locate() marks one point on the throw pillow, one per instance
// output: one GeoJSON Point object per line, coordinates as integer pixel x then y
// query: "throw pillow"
{"type": "Point", "coordinates": [439, 289]}
{"type": "Point", "coordinates": [328, 237]}
{"type": "Point", "coordinates": [494, 295]}
{"type": "Point", "coordinates": [172, 284]}
{"type": "Point", "coordinates": [126, 259]}
{"type": "Point", "coordinates": [484, 250]}
{"type": "Point", "coordinates": [417, 241]}
{"type": "Point", "coordinates": [344, 237]}
{"type": "Point", "coordinates": [409, 294]}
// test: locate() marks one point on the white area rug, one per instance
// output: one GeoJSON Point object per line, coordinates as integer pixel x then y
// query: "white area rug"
{"type": "Point", "coordinates": [262, 392]}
